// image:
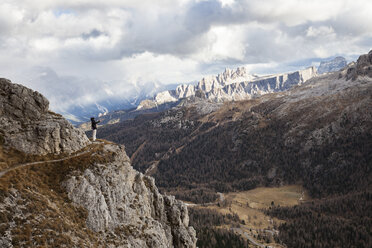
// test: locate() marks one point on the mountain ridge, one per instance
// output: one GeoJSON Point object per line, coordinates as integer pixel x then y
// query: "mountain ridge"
{"type": "Point", "coordinates": [233, 85]}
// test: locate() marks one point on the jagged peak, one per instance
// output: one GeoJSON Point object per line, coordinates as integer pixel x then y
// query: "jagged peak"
{"type": "Point", "coordinates": [233, 85]}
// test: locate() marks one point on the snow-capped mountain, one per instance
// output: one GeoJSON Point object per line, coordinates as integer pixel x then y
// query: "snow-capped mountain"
{"type": "Point", "coordinates": [332, 65]}
{"type": "Point", "coordinates": [232, 85]}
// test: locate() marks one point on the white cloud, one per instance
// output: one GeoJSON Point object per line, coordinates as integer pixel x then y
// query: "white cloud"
{"type": "Point", "coordinates": [320, 31]}
{"type": "Point", "coordinates": [10, 16]}
{"type": "Point", "coordinates": [227, 43]}
{"type": "Point", "coordinates": [100, 48]}
{"type": "Point", "coordinates": [293, 12]}
{"type": "Point", "coordinates": [148, 67]}
{"type": "Point", "coordinates": [227, 2]}
{"type": "Point", "coordinates": [47, 44]}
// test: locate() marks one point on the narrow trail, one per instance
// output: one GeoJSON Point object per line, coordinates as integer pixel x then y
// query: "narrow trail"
{"type": "Point", "coordinates": [2, 173]}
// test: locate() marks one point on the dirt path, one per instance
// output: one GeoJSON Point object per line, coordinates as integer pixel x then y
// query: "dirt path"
{"type": "Point", "coordinates": [2, 173]}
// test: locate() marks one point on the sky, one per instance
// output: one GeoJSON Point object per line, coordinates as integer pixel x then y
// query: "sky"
{"type": "Point", "coordinates": [77, 52]}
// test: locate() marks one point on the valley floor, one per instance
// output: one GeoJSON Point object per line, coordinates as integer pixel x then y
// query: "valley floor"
{"type": "Point", "coordinates": [256, 226]}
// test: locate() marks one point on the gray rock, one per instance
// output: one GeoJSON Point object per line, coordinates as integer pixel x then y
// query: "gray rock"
{"type": "Point", "coordinates": [27, 125]}
{"type": "Point", "coordinates": [119, 198]}
{"type": "Point", "coordinates": [363, 67]}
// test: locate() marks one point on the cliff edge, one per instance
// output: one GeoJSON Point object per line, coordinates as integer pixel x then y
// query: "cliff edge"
{"type": "Point", "coordinates": [57, 189]}
{"type": "Point", "coordinates": [126, 206]}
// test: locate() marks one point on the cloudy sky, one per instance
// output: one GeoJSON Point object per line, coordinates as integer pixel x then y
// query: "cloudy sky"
{"type": "Point", "coordinates": [80, 51]}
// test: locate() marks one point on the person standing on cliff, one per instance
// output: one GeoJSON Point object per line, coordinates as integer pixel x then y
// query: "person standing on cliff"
{"type": "Point", "coordinates": [94, 127]}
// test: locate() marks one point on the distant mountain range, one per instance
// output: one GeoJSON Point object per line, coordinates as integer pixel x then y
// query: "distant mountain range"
{"type": "Point", "coordinates": [231, 85]}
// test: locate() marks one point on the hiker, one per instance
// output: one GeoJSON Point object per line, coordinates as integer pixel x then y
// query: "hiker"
{"type": "Point", "coordinates": [94, 127]}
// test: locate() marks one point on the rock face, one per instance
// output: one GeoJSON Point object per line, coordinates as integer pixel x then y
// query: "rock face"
{"type": "Point", "coordinates": [234, 85]}
{"type": "Point", "coordinates": [109, 203]}
{"type": "Point", "coordinates": [332, 65]}
{"type": "Point", "coordinates": [27, 125]}
{"type": "Point", "coordinates": [119, 198]}
{"type": "Point", "coordinates": [363, 67]}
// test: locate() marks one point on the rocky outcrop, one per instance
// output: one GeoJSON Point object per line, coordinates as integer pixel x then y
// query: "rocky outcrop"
{"type": "Point", "coordinates": [228, 77]}
{"type": "Point", "coordinates": [233, 85]}
{"type": "Point", "coordinates": [146, 104]}
{"type": "Point", "coordinates": [335, 64]}
{"type": "Point", "coordinates": [96, 199]}
{"type": "Point", "coordinates": [184, 90]}
{"type": "Point", "coordinates": [126, 207]}
{"type": "Point", "coordinates": [27, 125]}
{"type": "Point", "coordinates": [363, 67]}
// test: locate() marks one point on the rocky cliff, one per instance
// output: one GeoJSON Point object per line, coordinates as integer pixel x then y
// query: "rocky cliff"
{"type": "Point", "coordinates": [27, 125]}
{"type": "Point", "coordinates": [92, 198]}
{"type": "Point", "coordinates": [363, 67]}
{"type": "Point", "coordinates": [233, 85]}
{"type": "Point", "coordinates": [119, 198]}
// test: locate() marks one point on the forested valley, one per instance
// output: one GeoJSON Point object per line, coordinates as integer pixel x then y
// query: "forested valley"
{"type": "Point", "coordinates": [193, 156]}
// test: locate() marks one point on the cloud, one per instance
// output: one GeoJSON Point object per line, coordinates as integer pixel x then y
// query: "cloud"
{"type": "Point", "coordinates": [10, 16]}
{"type": "Point", "coordinates": [100, 49]}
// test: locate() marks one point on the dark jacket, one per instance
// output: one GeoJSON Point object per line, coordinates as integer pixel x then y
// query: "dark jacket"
{"type": "Point", "coordinates": [94, 123]}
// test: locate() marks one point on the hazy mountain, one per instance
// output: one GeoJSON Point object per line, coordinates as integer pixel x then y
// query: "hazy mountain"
{"type": "Point", "coordinates": [82, 113]}
{"type": "Point", "coordinates": [335, 64]}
